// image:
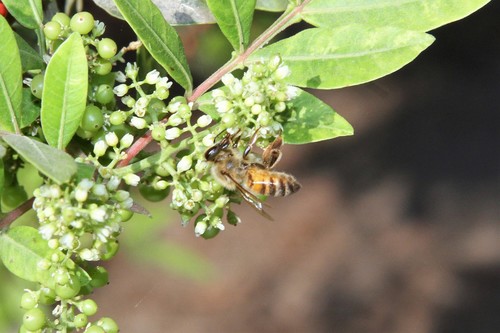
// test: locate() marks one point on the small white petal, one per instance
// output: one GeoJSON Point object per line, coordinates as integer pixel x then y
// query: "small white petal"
{"type": "Point", "coordinates": [200, 228]}
{"type": "Point", "coordinates": [131, 179]}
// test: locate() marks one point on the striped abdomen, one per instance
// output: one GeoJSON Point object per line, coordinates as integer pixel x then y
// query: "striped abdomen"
{"type": "Point", "coordinates": [270, 183]}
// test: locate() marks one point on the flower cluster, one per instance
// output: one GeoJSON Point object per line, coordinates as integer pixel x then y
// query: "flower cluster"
{"type": "Point", "coordinates": [246, 104]}
{"type": "Point", "coordinates": [256, 99]}
{"type": "Point", "coordinates": [83, 219]}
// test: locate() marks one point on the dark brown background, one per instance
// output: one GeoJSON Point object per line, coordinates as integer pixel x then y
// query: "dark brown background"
{"type": "Point", "coordinates": [396, 229]}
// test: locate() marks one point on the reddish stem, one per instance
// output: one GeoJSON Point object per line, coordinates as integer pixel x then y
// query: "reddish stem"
{"type": "Point", "coordinates": [16, 213]}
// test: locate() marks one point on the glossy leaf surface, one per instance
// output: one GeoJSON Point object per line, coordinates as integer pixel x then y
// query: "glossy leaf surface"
{"type": "Point", "coordinates": [327, 58]}
{"type": "Point", "coordinates": [65, 92]}
{"type": "Point", "coordinates": [158, 37]}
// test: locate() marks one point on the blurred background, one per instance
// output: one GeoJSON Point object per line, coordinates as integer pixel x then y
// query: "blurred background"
{"type": "Point", "coordinates": [396, 229]}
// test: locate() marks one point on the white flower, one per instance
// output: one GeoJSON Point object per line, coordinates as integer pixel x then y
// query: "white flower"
{"type": "Point", "coordinates": [100, 148]}
{"type": "Point", "coordinates": [67, 240]}
{"type": "Point", "coordinates": [111, 139]}
{"type": "Point", "coordinates": [120, 90]}
{"type": "Point", "coordinates": [208, 140]}
{"type": "Point", "coordinates": [178, 197]}
{"type": "Point", "coordinates": [81, 195]}
{"type": "Point", "coordinates": [282, 72]}
{"type": "Point", "coordinates": [86, 184]}
{"type": "Point", "coordinates": [228, 79]}
{"type": "Point", "coordinates": [274, 63]}
{"type": "Point", "coordinates": [131, 70]}
{"type": "Point", "coordinates": [204, 120]}
{"type": "Point", "coordinates": [113, 183]}
{"type": "Point", "coordinates": [98, 214]}
{"type": "Point", "coordinates": [89, 254]}
{"type": "Point", "coordinates": [161, 185]}
{"type": "Point", "coordinates": [131, 179]}
{"type": "Point", "coordinates": [189, 205]}
{"type": "Point", "coordinates": [103, 234]}
{"type": "Point", "coordinates": [138, 123]}
{"type": "Point", "coordinates": [139, 111]}
{"type": "Point", "coordinates": [223, 106]}
{"type": "Point", "coordinates": [197, 195]}
{"type": "Point", "coordinates": [256, 109]}
{"type": "Point", "coordinates": [249, 101]}
{"type": "Point", "coordinates": [163, 83]}
{"type": "Point", "coordinates": [200, 228]}
{"type": "Point", "coordinates": [201, 166]}
{"type": "Point", "coordinates": [152, 77]}
{"type": "Point", "coordinates": [126, 140]}
{"type": "Point", "coordinates": [218, 93]}
{"type": "Point", "coordinates": [292, 92]}
{"type": "Point", "coordinates": [120, 77]}
{"type": "Point", "coordinates": [172, 133]}
{"type": "Point", "coordinates": [184, 164]}
{"type": "Point", "coordinates": [175, 120]}
{"type": "Point", "coordinates": [53, 243]}
{"type": "Point", "coordinates": [47, 230]}
{"type": "Point", "coordinates": [236, 88]}
{"type": "Point", "coordinates": [220, 226]}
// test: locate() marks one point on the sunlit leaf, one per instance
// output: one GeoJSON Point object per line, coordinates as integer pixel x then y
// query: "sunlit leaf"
{"type": "Point", "coordinates": [234, 18]}
{"type": "Point", "coordinates": [27, 12]}
{"type": "Point", "coordinates": [311, 120]}
{"type": "Point", "coordinates": [158, 37]}
{"type": "Point", "coordinates": [10, 80]}
{"type": "Point", "coordinates": [272, 5]}
{"type": "Point", "coordinates": [327, 58]}
{"type": "Point", "coordinates": [175, 12]}
{"type": "Point", "coordinates": [21, 248]}
{"type": "Point", "coordinates": [52, 162]}
{"type": "Point", "coordinates": [418, 15]}
{"type": "Point", "coordinates": [65, 92]}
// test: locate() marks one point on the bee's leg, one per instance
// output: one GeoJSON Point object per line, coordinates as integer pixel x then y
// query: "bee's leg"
{"type": "Point", "coordinates": [272, 153]}
{"type": "Point", "coordinates": [252, 141]}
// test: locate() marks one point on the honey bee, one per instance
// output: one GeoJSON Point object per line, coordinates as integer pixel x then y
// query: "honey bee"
{"type": "Point", "coordinates": [237, 171]}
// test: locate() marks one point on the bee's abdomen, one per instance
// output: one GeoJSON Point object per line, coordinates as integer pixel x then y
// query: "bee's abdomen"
{"type": "Point", "coordinates": [271, 183]}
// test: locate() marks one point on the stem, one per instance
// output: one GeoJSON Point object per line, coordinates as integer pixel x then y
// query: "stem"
{"type": "Point", "coordinates": [289, 17]}
{"type": "Point", "coordinates": [16, 213]}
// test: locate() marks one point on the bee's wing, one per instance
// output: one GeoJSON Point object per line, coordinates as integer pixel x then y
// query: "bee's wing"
{"type": "Point", "coordinates": [251, 199]}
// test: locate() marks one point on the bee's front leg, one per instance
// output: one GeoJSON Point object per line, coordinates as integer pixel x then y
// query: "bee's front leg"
{"type": "Point", "coordinates": [252, 141]}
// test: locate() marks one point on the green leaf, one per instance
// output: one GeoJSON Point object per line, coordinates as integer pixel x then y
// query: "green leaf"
{"type": "Point", "coordinates": [27, 12]}
{"type": "Point", "coordinates": [30, 59]}
{"type": "Point", "coordinates": [158, 37]}
{"type": "Point", "coordinates": [175, 12]}
{"type": "Point", "coordinates": [205, 103]}
{"type": "Point", "coordinates": [272, 5]}
{"type": "Point", "coordinates": [52, 162]}
{"type": "Point", "coordinates": [10, 80]}
{"type": "Point", "coordinates": [311, 120]}
{"type": "Point", "coordinates": [234, 18]}
{"type": "Point", "coordinates": [65, 92]}
{"type": "Point", "coordinates": [418, 15]}
{"type": "Point", "coordinates": [21, 248]}
{"type": "Point", "coordinates": [30, 110]}
{"type": "Point", "coordinates": [2, 178]}
{"type": "Point", "coordinates": [84, 171]}
{"type": "Point", "coordinates": [326, 58]}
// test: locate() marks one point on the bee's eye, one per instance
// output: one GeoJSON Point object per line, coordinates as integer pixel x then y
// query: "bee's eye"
{"type": "Point", "coordinates": [212, 152]}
